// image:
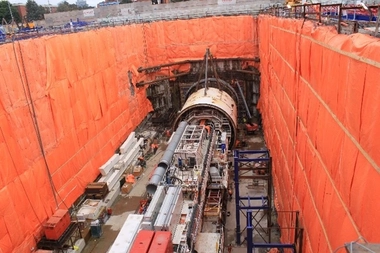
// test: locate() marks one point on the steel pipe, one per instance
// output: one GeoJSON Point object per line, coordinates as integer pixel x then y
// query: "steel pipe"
{"type": "Point", "coordinates": [166, 159]}
{"type": "Point", "coordinates": [206, 80]}
{"type": "Point", "coordinates": [245, 102]}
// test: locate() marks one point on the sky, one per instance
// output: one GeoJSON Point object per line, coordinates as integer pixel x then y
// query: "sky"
{"type": "Point", "coordinates": [56, 2]}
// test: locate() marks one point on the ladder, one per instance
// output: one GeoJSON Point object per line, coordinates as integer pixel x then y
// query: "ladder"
{"type": "Point", "coordinates": [213, 202]}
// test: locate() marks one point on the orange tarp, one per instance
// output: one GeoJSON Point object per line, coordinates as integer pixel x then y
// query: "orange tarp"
{"type": "Point", "coordinates": [320, 101]}
{"type": "Point", "coordinates": [84, 107]}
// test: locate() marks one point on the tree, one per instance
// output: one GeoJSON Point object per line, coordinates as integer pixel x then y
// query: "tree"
{"type": "Point", "coordinates": [84, 7]}
{"type": "Point", "coordinates": [126, 1]}
{"type": "Point", "coordinates": [6, 14]}
{"type": "Point", "coordinates": [34, 11]}
{"type": "Point", "coordinates": [65, 6]}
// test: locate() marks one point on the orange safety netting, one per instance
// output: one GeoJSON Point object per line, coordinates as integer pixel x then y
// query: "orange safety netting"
{"type": "Point", "coordinates": [84, 107]}
{"type": "Point", "coordinates": [320, 101]}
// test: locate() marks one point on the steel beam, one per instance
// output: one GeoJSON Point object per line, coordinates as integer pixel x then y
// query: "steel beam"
{"type": "Point", "coordinates": [156, 68]}
{"type": "Point", "coordinates": [206, 70]}
{"type": "Point", "coordinates": [264, 152]}
{"type": "Point", "coordinates": [253, 159]}
{"type": "Point", "coordinates": [267, 206]}
{"type": "Point", "coordinates": [245, 102]}
{"type": "Point", "coordinates": [254, 177]}
{"type": "Point", "coordinates": [254, 198]}
{"type": "Point", "coordinates": [263, 207]}
{"type": "Point", "coordinates": [237, 196]}
{"type": "Point", "coordinates": [377, 22]}
{"type": "Point", "coordinates": [270, 184]}
{"type": "Point", "coordinates": [253, 168]}
{"type": "Point", "coordinates": [242, 168]}
{"type": "Point", "coordinates": [249, 232]}
{"type": "Point", "coordinates": [142, 83]}
{"type": "Point", "coordinates": [251, 245]}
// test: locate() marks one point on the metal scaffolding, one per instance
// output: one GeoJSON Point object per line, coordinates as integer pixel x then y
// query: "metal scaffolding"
{"type": "Point", "coordinates": [260, 163]}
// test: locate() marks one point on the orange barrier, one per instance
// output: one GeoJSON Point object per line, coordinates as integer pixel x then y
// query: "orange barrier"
{"type": "Point", "coordinates": [319, 101]}
{"type": "Point", "coordinates": [84, 107]}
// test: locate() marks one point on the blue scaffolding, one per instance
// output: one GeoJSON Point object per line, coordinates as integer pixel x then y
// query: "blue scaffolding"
{"type": "Point", "coordinates": [259, 162]}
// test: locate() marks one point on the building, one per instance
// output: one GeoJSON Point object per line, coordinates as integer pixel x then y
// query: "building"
{"type": "Point", "coordinates": [50, 8]}
{"type": "Point", "coordinates": [21, 9]}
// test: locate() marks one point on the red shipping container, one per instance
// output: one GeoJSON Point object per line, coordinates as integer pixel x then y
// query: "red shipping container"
{"type": "Point", "coordinates": [162, 242]}
{"type": "Point", "coordinates": [142, 242]}
{"type": "Point", "coordinates": [57, 224]}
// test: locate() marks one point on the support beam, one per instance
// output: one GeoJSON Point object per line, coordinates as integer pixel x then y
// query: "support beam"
{"type": "Point", "coordinates": [249, 232]}
{"type": "Point", "coordinates": [377, 22]}
{"type": "Point", "coordinates": [251, 245]}
{"type": "Point", "coordinates": [206, 70]}
{"type": "Point", "coordinates": [156, 68]}
{"type": "Point", "coordinates": [264, 152]}
{"type": "Point", "coordinates": [237, 196]}
{"type": "Point", "coordinates": [253, 168]}
{"type": "Point", "coordinates": [254, 198]}
{"type": "Point", "coordinates": [263, 207]}
{"type": "Point", "coordinates": [245, 102]}
{"type": "Point", "coordinates": [141, 84]}
{"type": "Point", "coordinates": [266, 201]}
{"type": "Point", "coordinates": [253, 160]}
{"type": "Point", "coordinates": [270, 185]}
{"type": "Point", "coordinates": [254, 177]}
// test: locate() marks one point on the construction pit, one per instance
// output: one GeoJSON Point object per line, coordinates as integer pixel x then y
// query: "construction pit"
{"type": "Point", "coordinates": [311, 91]}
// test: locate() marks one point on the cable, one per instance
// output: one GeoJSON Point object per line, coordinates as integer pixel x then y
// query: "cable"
{"type": "Point", "coordinates": [32, 112]}
{"type": "Point", "coordinates": [337, 249]}
{"type": "Point", "coordinates": [28, 97]}
{"type": "Point", "coordinates": [22, 184]}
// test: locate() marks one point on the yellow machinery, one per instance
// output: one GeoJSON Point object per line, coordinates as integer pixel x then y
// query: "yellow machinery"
{"type": "Point", "coordinates": [291, 3]}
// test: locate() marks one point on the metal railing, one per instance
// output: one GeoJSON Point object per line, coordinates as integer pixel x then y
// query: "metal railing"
{"type": "Point", "coordinates": [347, 18]}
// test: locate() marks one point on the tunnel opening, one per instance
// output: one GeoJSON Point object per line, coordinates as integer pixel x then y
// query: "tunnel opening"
{"type": "Point", "coordinates": [237, 77]}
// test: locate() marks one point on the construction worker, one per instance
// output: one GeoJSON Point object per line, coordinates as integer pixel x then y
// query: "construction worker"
{"type": "Point", "coordinates": [208, 129]}
{"type": "Point", "coordinates": [154, 147]}
{"type": "Point", "coordinates": [229, 248]}
{"type": "Point", "coordinates": [230, 193]}
{"type": "Point", "coordinates": [223, 147]}
{"type": "Point", "coordinates": [142, 162]}
{"type": "Point", "coordinates": [168, 134]}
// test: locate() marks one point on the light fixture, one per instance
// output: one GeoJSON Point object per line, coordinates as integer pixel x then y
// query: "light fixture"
{"type": "Point", "coordinates": [289, 6]}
